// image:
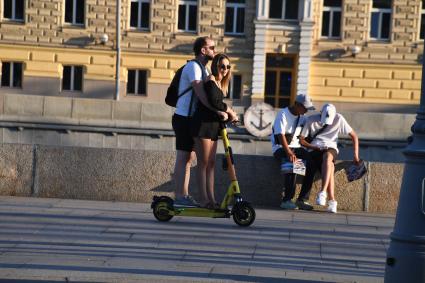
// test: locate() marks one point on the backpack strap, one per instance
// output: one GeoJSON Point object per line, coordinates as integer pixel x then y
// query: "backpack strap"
{"type": "Point", "coordinates": [296, 124]}
{"type": "Point", "coordinates": [203, 78]}
{"type": "Point", "coordinates": [184, 92]}
{"type": "Point", "coordinates": [319, 132]}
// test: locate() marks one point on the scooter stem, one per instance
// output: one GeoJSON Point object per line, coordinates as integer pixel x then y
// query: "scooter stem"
{"type": "Point", "coordinates": [229, 155]}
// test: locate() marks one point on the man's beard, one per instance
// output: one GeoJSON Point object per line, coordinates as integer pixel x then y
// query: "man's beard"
{"type": "Point", "coordinates": [209, 57]}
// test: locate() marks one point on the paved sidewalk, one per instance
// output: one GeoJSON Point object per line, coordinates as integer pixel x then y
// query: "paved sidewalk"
{"type": "Point", "coordinates": [54, 240]}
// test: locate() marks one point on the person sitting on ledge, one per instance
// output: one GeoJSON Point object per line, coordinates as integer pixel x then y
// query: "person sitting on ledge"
{"type": "Point", "coordinates": [325, 128]}
{"type": "Point", "coordinates": [286, 148]}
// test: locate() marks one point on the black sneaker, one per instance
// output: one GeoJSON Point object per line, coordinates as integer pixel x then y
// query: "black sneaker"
{"type": "Point", "coordinates": [303, 205]}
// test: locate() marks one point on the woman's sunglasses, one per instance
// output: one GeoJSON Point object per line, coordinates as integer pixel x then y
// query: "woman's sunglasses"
{"type": "Point", "coordinates": [224, 67]}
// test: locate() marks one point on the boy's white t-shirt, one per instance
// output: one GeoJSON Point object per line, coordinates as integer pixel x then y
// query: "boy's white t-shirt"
{"type": "Point", "coordinates": [284, 123]}
{"type": "Point", "coordinates": [328, 137]}
{"type": "Point", "coordinates": [191, 72]}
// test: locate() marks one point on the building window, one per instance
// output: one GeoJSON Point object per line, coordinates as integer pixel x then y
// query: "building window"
{"type": "Point", "coordinates": [74, 12]}
{"type": "Point", "coordinates": [235, 87]}
{"type": "Point", "coordinates": [380, 19]}
{"type": "Point", "coordinates": [235, 16]}
{"type": "Point", "coordinates": [188, 15]}
{"type": "Point", "coordinates": [280, 78]}
{"type": "Point", "coordinates": [331, 19]}
{"type": "Point", "coordinates": [72, 79]}
{"type": "Point", "coordinates": [11, 74]}
{"type": "Point", "coordinates": [139, 17]}
{"type": "Point", "coordinates": [13, 10]}
{"type": "Point", "coordinates": [137, 81]}
{"type": "Point", "coordinates": [422, 31]}
{"type": "Point", "coordinates": [283, 9]}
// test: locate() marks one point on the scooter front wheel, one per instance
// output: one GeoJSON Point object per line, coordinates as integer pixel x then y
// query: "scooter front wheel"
{"type": "Point", "coordinates": [161, 211]}
{"type": "Point", "coordinates": [243, 213]}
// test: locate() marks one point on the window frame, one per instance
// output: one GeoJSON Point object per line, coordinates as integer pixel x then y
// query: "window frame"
{"type": "Point", "coordinates": [284, 12]}
{"type": "Point", "coordinates": [72, 78]}
{"type": "Point", "coordinates": [74, 14]}
{"type": "Point", "coordinates": [331, 10]}
{"type": "Point", "coordinates": [13, 18]}
{"type": "Point", "coordinates": [139, 15]}
{"type": "Point", "coordinates": [381, 11]}
{"type": "Point", "coordinates": [187, 4]}
{"type": "Point", "coordinates": [232, 89]}
{"type": "Point", "coordinates": [136, 83]}
{"type": "Point", "coordinates": [11, 74]}
{"type": "Point", "coordinates": [236, 7]}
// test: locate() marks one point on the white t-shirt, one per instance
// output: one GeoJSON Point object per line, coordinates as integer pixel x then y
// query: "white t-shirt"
{"type": "Point", "coordinates": [191, 72]}
{"type": "Point", "coordinates": [286, 123]}
{"type": "Point", "coordinates": [329, 136]}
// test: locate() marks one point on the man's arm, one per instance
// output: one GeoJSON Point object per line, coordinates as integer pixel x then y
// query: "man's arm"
{"type": "Point", "coordinates": [306, 131]}
{"type": "Point", "coordinates": [198, 88]}
{"type": "Point", "coordinates": [355, 140]}
{"type": "Point", "coordinates": [291, 155]}
{"type": "Point", "coordinates": [306, 144]}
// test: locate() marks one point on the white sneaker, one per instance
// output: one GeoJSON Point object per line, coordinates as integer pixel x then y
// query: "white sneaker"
{"type": "Point", "coordinates": [321, 198]}
{"type": "Point", "coordinates": [332, 206]}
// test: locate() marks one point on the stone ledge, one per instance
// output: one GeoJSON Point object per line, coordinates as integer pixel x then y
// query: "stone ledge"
{"type": "Point", "coordinates": [140, 115]}
{"type": "Point", "coordinates": [136, 175]}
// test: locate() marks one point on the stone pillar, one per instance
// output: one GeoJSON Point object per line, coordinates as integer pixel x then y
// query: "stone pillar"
{"type": "Point", "coordinates": [262, 9]}
{"type": "Point", "coordinates": [306, 40]}
{"type": "Point", "coordinates": [259, 62]}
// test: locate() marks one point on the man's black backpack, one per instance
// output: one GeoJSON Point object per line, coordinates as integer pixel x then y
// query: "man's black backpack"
{"type": "Point", "coordinates": [173, 90]}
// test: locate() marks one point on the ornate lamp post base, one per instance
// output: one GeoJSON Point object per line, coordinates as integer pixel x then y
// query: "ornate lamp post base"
{"type": "Point", "coordinates": [406, 254]}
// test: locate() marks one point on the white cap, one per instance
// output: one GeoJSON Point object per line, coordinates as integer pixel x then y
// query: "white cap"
{"type": "Point", "coordinates": [305, 100]}
{"type": "Point", "coordinates": [328, 114]}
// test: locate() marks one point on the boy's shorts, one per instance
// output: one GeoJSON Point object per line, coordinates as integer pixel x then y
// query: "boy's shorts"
{"type": "Point", "coordinates": [317, 156]}
{"type": "Point", "coordinates": [300, 153]}
{"type": "Point", "coordinates": [181, 127]}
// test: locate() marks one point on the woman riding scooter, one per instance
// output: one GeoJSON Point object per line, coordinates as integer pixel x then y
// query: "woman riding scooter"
{"type": "Point", "coordinates": [206, 127]}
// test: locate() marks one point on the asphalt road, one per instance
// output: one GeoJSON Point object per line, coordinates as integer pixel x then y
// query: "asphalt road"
{"type": "Point", "coordinates": [55, 240]}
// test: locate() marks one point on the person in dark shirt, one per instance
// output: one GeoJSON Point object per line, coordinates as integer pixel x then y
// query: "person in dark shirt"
{"type": "Point", "coordinates": [206, 126]}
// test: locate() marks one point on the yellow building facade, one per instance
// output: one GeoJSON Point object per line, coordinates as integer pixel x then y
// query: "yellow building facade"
{"type": "Point", "coordinates": [358, 54]}
{"type": "Point", "coordinates": [68, 47]}
{"type": "Point", "coordinates": [376, 62]}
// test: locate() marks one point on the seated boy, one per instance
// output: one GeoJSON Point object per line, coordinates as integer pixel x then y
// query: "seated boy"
{"type": "Point", "coordinates": [325, 128]}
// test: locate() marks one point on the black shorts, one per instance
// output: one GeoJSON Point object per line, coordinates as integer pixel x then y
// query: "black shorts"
{"type": "Point", "coordinates": [300, 153]}
{"type": "Point", "coordinates": [317, 156]}
{"type": "Point", "coordinates": [181, 127]}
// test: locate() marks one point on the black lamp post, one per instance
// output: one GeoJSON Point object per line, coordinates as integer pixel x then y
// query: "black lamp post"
{"type": "Point", "coordinates": [406, 254]}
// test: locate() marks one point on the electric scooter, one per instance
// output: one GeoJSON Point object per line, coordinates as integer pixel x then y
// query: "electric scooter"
{"type": "Point", "coordinates": [232, 205]}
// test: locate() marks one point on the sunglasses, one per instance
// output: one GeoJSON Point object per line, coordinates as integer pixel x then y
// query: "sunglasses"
{"type": "Point", "coordinates": [224, 67]}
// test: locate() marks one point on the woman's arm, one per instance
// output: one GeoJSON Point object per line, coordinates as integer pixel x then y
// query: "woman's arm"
{"type": "Point", "coordinates": [198, 87]}
{"type": "Point", "coordinates": [215, 95]}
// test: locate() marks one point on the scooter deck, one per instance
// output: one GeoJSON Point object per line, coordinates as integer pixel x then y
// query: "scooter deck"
{"type": "Point", "coordinates": [200, 212]}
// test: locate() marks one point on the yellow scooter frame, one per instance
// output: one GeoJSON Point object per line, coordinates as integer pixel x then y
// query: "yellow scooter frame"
{"type": "Point", "coordinates": [242, 212]}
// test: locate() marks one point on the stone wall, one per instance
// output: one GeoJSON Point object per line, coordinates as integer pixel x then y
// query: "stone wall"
{"type": "Point", "coordinates": [138, 175]}
{"type": "Point", "coordinates": [367, 83]}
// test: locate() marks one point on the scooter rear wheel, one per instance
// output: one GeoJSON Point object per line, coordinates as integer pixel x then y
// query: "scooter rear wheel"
{"type": "Point", "coordinates": [161, 211]}
{"type": "Point", "coordinates": [243, 214]}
